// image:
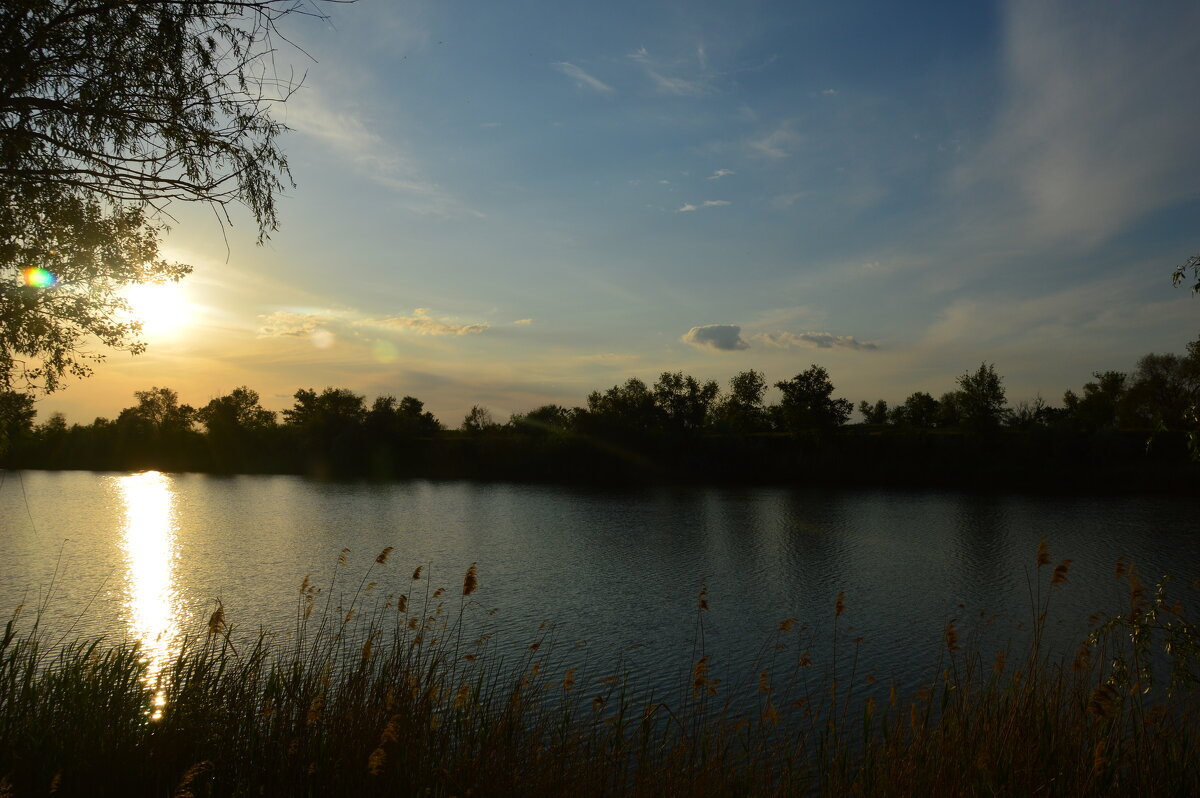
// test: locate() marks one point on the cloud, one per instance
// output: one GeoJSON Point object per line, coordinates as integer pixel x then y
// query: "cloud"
{"type": "Point", "coordinates": [779, 143]}
{"type": "Point", "coordinates": [1099, 118]}
{"type": "Point", "coordinates": [716, 337]}
{"type": "Point", "coordinates": [283, 324]}
{"type": "Point", "coordinates": [717, 175]}
{"type": "Point", "coordinates": [379, 160]}
{"type": "Point", "coordinates": [689, 207]}
{"type": "Point", "coordinates": [421, 322]}
{"type": "Point", "coordinates": [523, 321]}
{"type": "Point", "coordinates": [582, 78]}
{"type": "Point", "coordinates": [666, 83]}
{"type": "Point", "coordinates": [820, 340]}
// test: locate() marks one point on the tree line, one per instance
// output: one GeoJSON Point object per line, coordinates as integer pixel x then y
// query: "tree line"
{"type": "Point", "coordinates": [677, 427]}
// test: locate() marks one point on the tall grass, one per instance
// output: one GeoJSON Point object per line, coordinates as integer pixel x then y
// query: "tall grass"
{"type": "Point", "coordinates": [404, 694]}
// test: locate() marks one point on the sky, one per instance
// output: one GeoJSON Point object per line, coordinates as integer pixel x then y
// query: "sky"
{"type": "Point", "coordinates": [513, 204]}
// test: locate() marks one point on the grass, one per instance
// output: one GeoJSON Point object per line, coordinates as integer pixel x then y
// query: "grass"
{"type": "Point", "coordinates": [402, 695]}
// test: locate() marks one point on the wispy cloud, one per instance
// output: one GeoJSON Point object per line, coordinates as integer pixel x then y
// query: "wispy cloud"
{"type": "Point", "coordinates": [820, 340]}
{"type": "Point", "coordinates": [716, 337]}
{"type": "Point", "coordinates": [1100, 118]}
{"type": "Point", "coordinates": [285, 324]}
{"type": "Point", "coordinates": [665, 82]}
{"type": "Point", "coordinates": [717, 175]}
{"type": "Point", "coordinates": [779, 143]}
{"type": "Point", "coordinates": [582, 78]}
{"type": "Point", "coordinates": [523, 321]}
{"type": "Point", "coordinates": [689, 207]}
{"type": "Point", "coordinates": [424, 324]}
{"type": "Point", "coordinates": [375, 158]}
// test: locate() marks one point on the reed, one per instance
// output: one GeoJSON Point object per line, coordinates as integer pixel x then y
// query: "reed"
{"type": "Point", "coordinates": [401, 694]}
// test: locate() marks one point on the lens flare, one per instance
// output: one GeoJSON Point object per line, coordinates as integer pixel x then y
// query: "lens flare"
{"type": "Point", "coordinates": [38, 277]}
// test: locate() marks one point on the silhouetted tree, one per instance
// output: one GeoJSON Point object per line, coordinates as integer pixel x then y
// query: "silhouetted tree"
{"type": "Point", "coordinates": [684, 403]}
{"type": "Point", "coordinates": [478, 421]}
{"type": "Point", "coordinates": [949, 410]}
{"type": "Point", "coordinates": [329, 428]}
{"type": "Point", "coordinates": [16, 418]}
{"type": "Point", "coordinates": [1027, 415]}
{"type": "Point", "coordinates": [918, 411]}
{"type": "Point", "coordinates": [545, 420]}
{"type": "Point", "coordinates": [1163, 388]}
{"type": "Point", "coordinates": [981, 399]}
{"type": "Point", "coordinates": [874, 413]}
{"type": "Point", "coordinates": [808, 402]}
{"type": "Point", "coordinates": [1103, 405]}
{"type": "Point", "coordinates": [237, 426]}
{"type": "Point", "coordinates": [623, 411]}
{"type": "Point", "coordinates": [742, 411]}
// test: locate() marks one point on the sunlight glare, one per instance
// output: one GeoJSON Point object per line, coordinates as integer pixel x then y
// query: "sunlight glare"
{"type": "Point", "coordinates": [149, 543]}
{"type": "Point", "coordinates": [162, 308]}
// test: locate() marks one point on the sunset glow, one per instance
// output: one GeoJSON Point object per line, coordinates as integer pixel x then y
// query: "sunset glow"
{"type": "Point", "coordinates": [162, 308]}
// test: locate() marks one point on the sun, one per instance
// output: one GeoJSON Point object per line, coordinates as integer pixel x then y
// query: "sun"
{"type": "Point", "coordinates": [162, 308]}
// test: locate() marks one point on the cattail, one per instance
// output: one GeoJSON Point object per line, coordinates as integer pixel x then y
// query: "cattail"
{"type": "Point", "coordinates": [402, 603]}
{"type": "Point", "coordinates": [376, 761]}
{"type": "Point", "coordinates": [764, 681]}
{"type": "Point", "coordinates": [770, 716]}
{"type": "Point", "coordinates": [535, 646]}
{"type": "Point", "coordinates": [470, 582]}
{"type": "Point", "coordinates": [1103, 702]}
{"type": "Point", "coordinates": [216, 621]}
{"type": "Point", "coordinates": [383, 555]}
{"type": "Point", "coordinates": [464, 692]}
{"type": "Point", "coordinates": [1137, 593]}
{"type": "Point", "coordinates": [342, 556]}
{"type": "Point", "coordinates": [1083, 658]}
{"type": "Point", "coordinates": [55, 782]}
{"type": "Point", "coordinates": [304, 585]}
{"type": "Point", "coordinates": [417, 573]}
{"type": "Point", "coordinates": [1043, 554]}
{"type": "Point", "coordinates": [702, 604]}
{"type": "Point", "coordinates": [805, 660]}
{"type": "Point", "coordinates": [951, 637]}
{"type": "Point", "coordinates": [438, 593]}
{"type": "Point", "coordinates": [840, 606]}
{"type": "Point", "coordinates": [569, 679]}
{"type": "Point", "coordinates": [1060, 573]}
{"type": "Point", "coordinates": [598, 703]}
{"type": "Point", "coordinates": [786, 626]}
{"type": "Point", "coordinates": [699, 675]}
{"type": "Point", "coordinates": [1121, 569]}
{"type": "Point", "coordinates": [195, 770]}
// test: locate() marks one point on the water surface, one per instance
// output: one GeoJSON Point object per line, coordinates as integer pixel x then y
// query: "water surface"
{"type": "Point", "coordinates": [616, 573]}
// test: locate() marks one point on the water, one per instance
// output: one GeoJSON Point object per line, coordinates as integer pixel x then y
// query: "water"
{"type": "Point", "coordinates": [616, 573]}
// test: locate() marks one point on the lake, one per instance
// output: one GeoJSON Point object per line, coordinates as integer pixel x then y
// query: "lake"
{"type": "Point", "coordinates": [614, 573]}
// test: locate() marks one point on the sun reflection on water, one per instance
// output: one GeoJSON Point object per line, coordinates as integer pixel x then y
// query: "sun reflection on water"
{"type": "Point", "coordinates": [152, 600]}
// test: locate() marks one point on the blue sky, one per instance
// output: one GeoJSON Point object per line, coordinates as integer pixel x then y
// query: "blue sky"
{"type": "Point", "coordinates": [517, 203]}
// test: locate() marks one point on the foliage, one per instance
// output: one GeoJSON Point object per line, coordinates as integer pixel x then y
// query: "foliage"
{"type": "Point", "coordinates": [918, 411]}
{"type": "Point", "coordinates": [876, 414]}
{"type": "Point", "coordinates": [108, 113]}
{"type": "Point", "coordinates": [741, 411]}
{"type": "Point", "coordinates": [1180, 275]}
{"type": "Point", "coordinates": [808, 402]}
{"type": "Point", "coordinates": [684, 403]}
{"type": "Point", "coordinates": [980, 398]}
{"type": "Point", "coordinates": [16, 417]}
{"type": "Point", "coordinates": [478, 421]}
